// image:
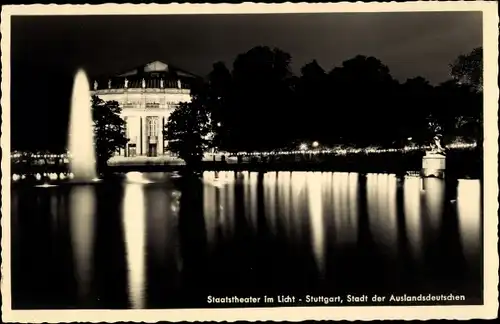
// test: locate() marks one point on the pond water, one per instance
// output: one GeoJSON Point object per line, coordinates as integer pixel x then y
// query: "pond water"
{"type": "Point", "coordinates": [160, 240]}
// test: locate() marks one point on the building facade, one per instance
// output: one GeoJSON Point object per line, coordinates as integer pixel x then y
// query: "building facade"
{"type": "Point", "coordinates": [147, 94]}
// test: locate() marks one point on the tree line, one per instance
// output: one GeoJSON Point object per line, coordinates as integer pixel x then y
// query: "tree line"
{"type": "Point", "coordinates": [260, 105]}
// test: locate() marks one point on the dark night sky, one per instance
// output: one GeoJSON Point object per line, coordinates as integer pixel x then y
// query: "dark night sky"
{"type": "Point", "coordinates": [46, 51]}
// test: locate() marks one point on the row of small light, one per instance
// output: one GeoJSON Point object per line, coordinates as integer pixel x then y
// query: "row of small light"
{"type": "Point", "coordinates": [40, 176]}
{"type": "Point", "coordinates": [39, 156]}
{"type": "Point", "coordinates": [350, 151]}
{"type": "Point", "coordinates": [301, 151]}
{"type": "Point", "coordinates": [462, 145]}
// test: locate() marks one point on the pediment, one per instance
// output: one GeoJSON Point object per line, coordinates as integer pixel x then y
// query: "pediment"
{"type": "Point", "coordinates": [156, 66]}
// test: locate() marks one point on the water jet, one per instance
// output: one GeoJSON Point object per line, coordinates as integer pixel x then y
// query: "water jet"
{"type": "Point", "coordinates": [82, 159]}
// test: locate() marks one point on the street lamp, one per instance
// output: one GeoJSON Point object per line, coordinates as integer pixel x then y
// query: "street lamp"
{"type": "Point", "coordinates": [315, 144]}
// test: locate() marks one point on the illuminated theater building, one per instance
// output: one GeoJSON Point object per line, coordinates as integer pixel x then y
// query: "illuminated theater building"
{"type": "Point", "coordinates": [147, 94]}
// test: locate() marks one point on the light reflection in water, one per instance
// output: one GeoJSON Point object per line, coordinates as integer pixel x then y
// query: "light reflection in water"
{"type": "Point", "coordinates": [230, 203]}
{"type": "Point", "coordinates": [54, 211]}
{"type": "Point", "coordinates": [390, 219]}
{"type": "Point", "coordinates": [227, 201]}
{"type": "Point", "coordinates": [382, 208]}
{"type": "Point", "coordinates": [343, 215]}
{"type": "Point", "coordinates": [469, 217]}
{"type": "Point", "coordinates": [336, 212]}
{"type": "Point", "coordinates": [222, 214]}
{"type": "Point", "coordinates": [350, 204]}
{"type": "Point", "coordinates": [162, 215]}
{"type": "Point", "coordinates": [307, 203]}
{"type": "Point", "coordinates": [137, 178]}
{"type": "Point", "coordinates": [314, 190]}
{"type": "Point", "coordinates": [134, 229]}
{"type": "Point", "coordinates": [381, 201]}
{"type": "Point", "coordinates": [434, 203]}
{"type": "Point", "coordinates": [218, 203]}
{"type": "Point", "coordinates": [344, 187]}
{"type": "Point", "coordinates": [210, 208]}
{"type": "Point", "coordinates": [82, 222]}
{"type": "Point", "coordinates": [353, 206]}
{"type": "Point", "coordinates": [337, 209]}
{"type": "Point", "coordinates": [270, 200]}
{"type": "Point", "coordinates": [371, 199]}
{"type": "Point", "coordinates": [284, 191]}
{"type": "Point", "coordinates": [412, 209]}
{"type": "Point", "coordinates": [250, 194]}
{"type": "Point", "coordinates": [298, 182]}
{"type": "Point", "coordinates": [327, 205]}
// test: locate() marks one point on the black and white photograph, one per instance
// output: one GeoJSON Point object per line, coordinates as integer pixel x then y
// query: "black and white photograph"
{"type": "Point", "coordinates": [192, 162]}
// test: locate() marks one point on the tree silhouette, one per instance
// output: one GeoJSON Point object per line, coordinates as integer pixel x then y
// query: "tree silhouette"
{"type": "Point", "coordinates": [261, 105]}
{"type": "Point", "coordinates": [218, 100]}
{"type": "Point", "coordinates": [312, 94]}
{"type": "Point", "coordinates": [261, 99]}
{"type": "Point", "coordinates": [459, 109]}
{"type": "Point", "coordinates": [468, 69]}
{"type": "Point", "coordinates": [109, 130]}
{"type": "Point", "coordinates": [415, 99]}
{"type": "Point", "coordinates": [189, 130]}
{"type": "Point", "coordinates": [364, 101]}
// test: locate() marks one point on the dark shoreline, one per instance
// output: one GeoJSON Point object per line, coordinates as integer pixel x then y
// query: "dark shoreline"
{"type": "Point", "coordinates": [459, 164]}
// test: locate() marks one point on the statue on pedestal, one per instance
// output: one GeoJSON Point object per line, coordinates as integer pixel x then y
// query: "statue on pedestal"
{"type": "Point", "coordinates": [109, 84]}
{"type": "Point", "coordinates": [161, 83]}
{"type": "Point", "coordinates": [434, 160]}
{"type": "Point", "coordinates": [95, 85]}
{"type": "Point", "coordinates": [126, 83]}
{"type": "Point", "coordinates": [143, 83]}
{"type": "Point", "coordinates": [179, 84]}
{"type": "Point", "coordinates": [436, 146]}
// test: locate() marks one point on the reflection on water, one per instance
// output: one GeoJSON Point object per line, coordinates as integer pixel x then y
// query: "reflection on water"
{"type": "Point", "coordinates": [315, 202]}
{"type": "Point", "coordinates": [277, 232]}
{"type": "Point", "coordinates": [412, 210]}
{"type": "Point", "coordinates": [298, 197]}
{"type": "Point", "coordinates": [469, 209]}
{"type": "Point", "coordinates": [344, 200]}
{"type": "Point", "coordinates": [82, 227]}
{"type": "Point", "coordinates": [218, 203]}
{"type": "Point", "coordinates": [382, 210]}
{"type": "Point", "coordinates": [250, 198]}
{"type": "Point", "coordinates": [134, 229]}
{"type": "Point", "coordinates": [434, 203]}
{"type": "Point", "coordinates": [210, 207]}
{"type": "Point", "coordinates": [270, 200]}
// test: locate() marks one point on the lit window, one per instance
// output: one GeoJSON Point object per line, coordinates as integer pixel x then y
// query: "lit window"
{"type": "Point", "coordinates": [152, 126]}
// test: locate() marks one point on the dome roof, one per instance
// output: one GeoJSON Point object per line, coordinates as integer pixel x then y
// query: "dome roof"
{"type": "Point", "coordinates": [151, 75]}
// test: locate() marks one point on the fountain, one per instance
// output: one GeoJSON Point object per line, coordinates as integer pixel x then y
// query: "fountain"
{"type": "Point", "coordinates": [81, 134]}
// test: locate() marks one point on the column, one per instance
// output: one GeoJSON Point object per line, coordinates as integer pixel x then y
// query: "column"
{"type": "Point", "coordinates": [139, 138]}
{"type": "Point", "coordinates": [163, 122]}
{"type": "Point", "coordinates": [123, 151]}
{"type": "Point", "coordinates": [159, 142]}
{"type": "Point", "coordinates": [145, 141]}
